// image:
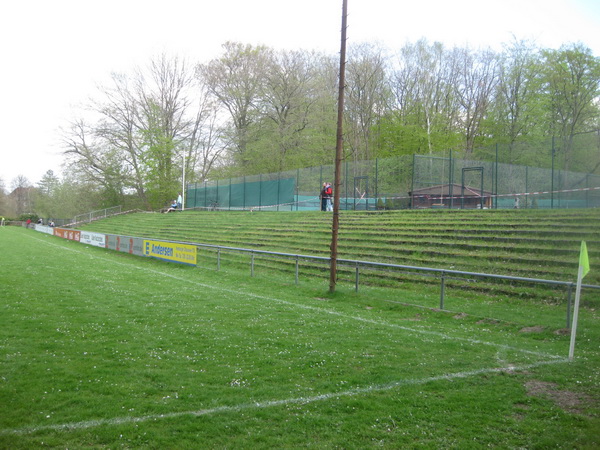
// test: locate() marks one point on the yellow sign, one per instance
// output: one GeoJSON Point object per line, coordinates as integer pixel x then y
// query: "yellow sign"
{"type": "Point", "coordinates": [170, 251]}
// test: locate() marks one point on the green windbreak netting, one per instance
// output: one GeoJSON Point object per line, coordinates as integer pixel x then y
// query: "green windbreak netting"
{"type": "Point", "coordinates": [242, 195]}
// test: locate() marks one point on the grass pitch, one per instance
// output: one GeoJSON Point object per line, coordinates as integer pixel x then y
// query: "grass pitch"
{"type": "Point", "coordinates": [101, 349]}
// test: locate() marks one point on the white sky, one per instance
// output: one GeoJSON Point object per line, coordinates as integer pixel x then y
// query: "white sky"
{"type": "Point", "coordinates": [55, 52]}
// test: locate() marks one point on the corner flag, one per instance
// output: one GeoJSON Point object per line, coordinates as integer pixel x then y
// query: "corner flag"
{"type": "Point", "coordinates": [584, 261]}
{"type": "Point", "coordinates": [584, 268]}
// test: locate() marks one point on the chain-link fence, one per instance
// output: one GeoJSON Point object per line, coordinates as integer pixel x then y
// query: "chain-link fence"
{"type": "Point", "coordinates": [449, 180]}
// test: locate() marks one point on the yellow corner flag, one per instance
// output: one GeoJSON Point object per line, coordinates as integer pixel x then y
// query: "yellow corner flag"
{"type": "Point", "coordinates": [584, 261]}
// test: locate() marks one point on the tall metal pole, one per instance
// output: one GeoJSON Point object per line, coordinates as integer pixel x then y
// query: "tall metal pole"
{"type": "Point", "coordinates": [552, 180]}
{"type": "Point", "coordinates": [338, 153]}
{"type": "Point", "coordinates": [183, 184]}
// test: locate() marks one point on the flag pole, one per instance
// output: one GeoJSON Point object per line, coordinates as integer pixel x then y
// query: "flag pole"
{"type": "Point", "coordinates": [575, 313]}
{"type": "Point", "coordinates": [584, 268]}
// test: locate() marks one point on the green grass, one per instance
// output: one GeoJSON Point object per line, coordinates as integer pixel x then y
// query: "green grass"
{"type": "Point", "coordinates": [102, 349]}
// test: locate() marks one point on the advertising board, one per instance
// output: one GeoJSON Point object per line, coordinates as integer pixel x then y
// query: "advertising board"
{"type": "Point", "coordinates": [170, 251]}
{"type": "Point", "coordinates": [96, 239]}
{"type": "Point", "coordinates": [65, 233]}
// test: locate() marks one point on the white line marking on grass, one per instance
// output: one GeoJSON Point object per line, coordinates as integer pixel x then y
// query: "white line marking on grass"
{"type": "Point", "coordinates": [74, 426]}
{"type": "Point", "coordinates": [316, 308]}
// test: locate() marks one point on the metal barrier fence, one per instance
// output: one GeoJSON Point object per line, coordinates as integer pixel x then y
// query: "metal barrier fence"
{"type": "Point", "coordinates": [186, 253]}
{"type": "Point", "coordinates": [356, 265]}
{"type": "Point", "coordinates": [93, 215]}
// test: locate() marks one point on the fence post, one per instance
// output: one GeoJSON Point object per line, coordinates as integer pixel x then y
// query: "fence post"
{"type": "Point", "coordinates": [376, 181]}
{"type": "Point", "coordinates": [297, 269]}
{"type": "Point", "coordinates": [552, 178]}
{"type": "Point", "coordinates": [252, 265]}
{"type": "Point", "coordinates": [451, 181]}
{"type": "Point", "coordinates": [297, 189]}
{"type": "Point", "coordinates": [218, 259]}
{"type": "Point", "coordinates": [496, 180]}
{"type": "Point", "coordinates": [527, 186]}
{"type": "Point", "coordinates": [356, 278]}
{"type": "Point", "coordinates": [442, 289]}
{"type": "Point", "coordinates": [260, 184]}
{"type": "Point", "coordinates": [412, 182]}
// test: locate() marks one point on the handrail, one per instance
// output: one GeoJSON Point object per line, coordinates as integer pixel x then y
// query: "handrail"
{"type": "Point", "coordinates": [354, 262]}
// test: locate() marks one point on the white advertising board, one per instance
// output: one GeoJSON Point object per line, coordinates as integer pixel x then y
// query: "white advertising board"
{"type": "Point", "coordinates": [97, 239]}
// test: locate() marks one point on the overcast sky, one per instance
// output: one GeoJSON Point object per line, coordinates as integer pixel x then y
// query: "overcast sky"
{"type": "Point", "coordinates": [55, 52]}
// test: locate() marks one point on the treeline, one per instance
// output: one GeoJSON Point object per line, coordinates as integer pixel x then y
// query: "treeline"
{"type": "Point", "coordinates": [255, 110]}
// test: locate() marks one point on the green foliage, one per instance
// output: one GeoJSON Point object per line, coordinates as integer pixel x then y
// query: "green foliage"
{"type": "Point", "coordinates": [405, 136]}
{"type": "Point", "coordinates": [389, 204]}
{"type": "Point", "coordinates": [29, 216]}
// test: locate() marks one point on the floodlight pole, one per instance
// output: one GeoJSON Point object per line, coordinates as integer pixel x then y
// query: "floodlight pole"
{"type": "Point", "coordinates": [183, 184]}
{"type": "Point", "coordinates": [338, 153]}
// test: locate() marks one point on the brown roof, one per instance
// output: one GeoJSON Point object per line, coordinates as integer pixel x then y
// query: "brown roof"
{"type": "Point", "coordinates": [444, 189]}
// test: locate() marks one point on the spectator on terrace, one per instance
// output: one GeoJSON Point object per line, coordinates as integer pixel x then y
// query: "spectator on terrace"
{"type": "Point", "coordinates": [173, 207]}
{"type": "Point", "coordinates": [323, 197]}
{"type": "Point", "coordinates": [329, 194]}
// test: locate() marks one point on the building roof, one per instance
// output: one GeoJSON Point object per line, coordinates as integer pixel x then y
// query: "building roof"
{"type": "Point", "coordinates": [444, 190]}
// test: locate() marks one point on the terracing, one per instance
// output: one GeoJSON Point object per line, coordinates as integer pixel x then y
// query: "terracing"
{"type": "Point", "coordinates": [523, 243]}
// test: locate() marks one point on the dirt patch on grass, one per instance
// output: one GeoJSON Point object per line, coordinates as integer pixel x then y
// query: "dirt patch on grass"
{"type": "Point", "coordinates": [460, 316]}
{"type": "Point", "coordinates": [487, 322]}
{"type": "Point", "coordinates": [536, 329]}
{"type": "Point", "coordinates": [571, 402]}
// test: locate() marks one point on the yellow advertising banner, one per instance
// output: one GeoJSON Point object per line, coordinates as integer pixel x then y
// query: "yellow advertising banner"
{"type": "Point", "coordinates": [170, 251]}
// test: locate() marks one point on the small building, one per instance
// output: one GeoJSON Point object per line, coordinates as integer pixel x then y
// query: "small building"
{"type": "Point", "coordinates": [450, 196]}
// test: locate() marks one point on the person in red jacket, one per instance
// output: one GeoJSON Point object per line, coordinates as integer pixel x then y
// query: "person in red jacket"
{"type": "Point", "coordinates": [329, 196]}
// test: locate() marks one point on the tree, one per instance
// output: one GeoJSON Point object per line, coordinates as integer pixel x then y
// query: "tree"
{"type": "Point", "coordinates": [236, 80]}
{"type": "Point", "coordinates": [366, 99]}
{"type": "Point", "coordinates": [572, 83]}
{"type": "Point", "coordinates": [517, 106]}
{"type": "Point", "coordinates": [95, 161]}
{"type": "Point", "coordinates": [424, 114]}
{"type": "Point", "coordinates": [48, 183]}
{"type": "Point", "coordinates": [477, 78]}
{"type": "Point", "coordinates": [119, 127]}
{"type": "Point", "coordinates": [286, 107]}
{"type": "Point", "coordinates": [144, 127]}
{"type": "Point", "coordinates": [21, 196]}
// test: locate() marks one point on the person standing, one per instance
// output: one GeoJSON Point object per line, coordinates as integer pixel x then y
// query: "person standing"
{"type": "Point", "coordinates": [323, 197]}
{"type": "Point", "coordinates": [329, 195]}
{"type": "Point", "coordinates": [179, 201]}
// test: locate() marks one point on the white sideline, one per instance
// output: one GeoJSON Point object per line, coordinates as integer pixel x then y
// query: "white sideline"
{"type": "Point", "coordinates": [73, 426]}
{"type": "Point", "coordinates": [299, 400]}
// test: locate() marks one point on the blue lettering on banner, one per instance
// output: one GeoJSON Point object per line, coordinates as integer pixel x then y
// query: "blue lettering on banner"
{"type": "Point", "coordinates": [161, 250]}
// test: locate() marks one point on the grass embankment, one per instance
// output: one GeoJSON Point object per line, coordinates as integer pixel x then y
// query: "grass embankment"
{"type": "Point", "coordinates": [104, 350]}
{"type": "Point", "coordinates": [524, 243]}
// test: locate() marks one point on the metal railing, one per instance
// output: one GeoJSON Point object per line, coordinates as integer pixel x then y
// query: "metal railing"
{"type": "Point", "coordinates": [442, 274]}
{"type": "Point", "coordinates": [94, 215]}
